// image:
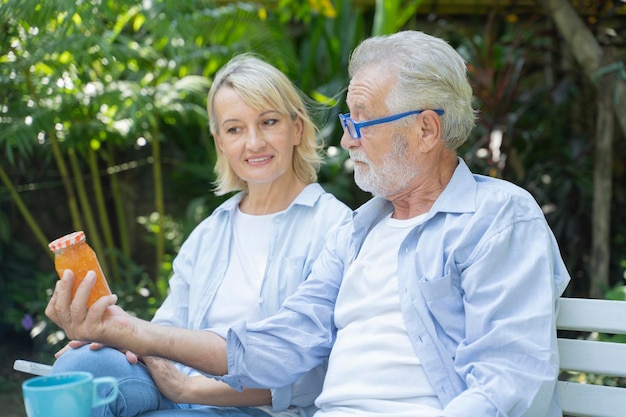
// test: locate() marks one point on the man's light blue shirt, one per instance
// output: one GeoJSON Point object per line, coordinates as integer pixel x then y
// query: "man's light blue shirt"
{"type": "Point", "coordinates": [298, 236]}
{"type": "Point", "coordinates": [478, 283]}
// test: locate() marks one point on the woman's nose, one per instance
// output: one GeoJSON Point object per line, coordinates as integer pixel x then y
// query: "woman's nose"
{"type": "Point", "coordinates": [256, 139]}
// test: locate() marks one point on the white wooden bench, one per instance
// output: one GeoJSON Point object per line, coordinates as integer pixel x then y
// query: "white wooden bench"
{"type": "Point", "coordinates": [592, 356]}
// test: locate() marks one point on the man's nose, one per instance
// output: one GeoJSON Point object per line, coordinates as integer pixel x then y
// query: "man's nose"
{"type": "Point", "coordinates": [347, 141]}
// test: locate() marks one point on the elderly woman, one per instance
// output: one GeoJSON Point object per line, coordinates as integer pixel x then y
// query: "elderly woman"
{"type": "Point", "coordinates": [245, 259]}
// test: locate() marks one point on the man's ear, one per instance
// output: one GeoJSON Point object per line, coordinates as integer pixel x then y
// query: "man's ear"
{"type": "Point", "coordinates": [430, 125]}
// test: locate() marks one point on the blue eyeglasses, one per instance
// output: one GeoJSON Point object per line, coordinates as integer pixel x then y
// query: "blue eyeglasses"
{"type": "Point", "coordinates": [354, 128]}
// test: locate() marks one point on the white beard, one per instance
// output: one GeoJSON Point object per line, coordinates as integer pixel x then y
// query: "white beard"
{"type": "Point", "coordinates": [394, 175]}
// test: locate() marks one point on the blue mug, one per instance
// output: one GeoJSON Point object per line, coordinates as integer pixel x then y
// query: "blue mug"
{"type": "Point", "coordinates": [69, 394]}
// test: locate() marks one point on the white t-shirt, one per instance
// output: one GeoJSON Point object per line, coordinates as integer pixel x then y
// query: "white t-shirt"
{"type": "Point", "coordinates": [243, 279]}
{"type": "Point", "coordinates": [373, 369]}
{"type": "Point", "coordinates": [244, 275]}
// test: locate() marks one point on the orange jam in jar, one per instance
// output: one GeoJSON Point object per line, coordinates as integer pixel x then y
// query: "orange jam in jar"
{"type": "Point", "coordinates": [72, 252]}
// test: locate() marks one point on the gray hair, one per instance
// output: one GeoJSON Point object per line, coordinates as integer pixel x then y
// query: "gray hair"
{"type": "Point", "coordinates": [431, 75]}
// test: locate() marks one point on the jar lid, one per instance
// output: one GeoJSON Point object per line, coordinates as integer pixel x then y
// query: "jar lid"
{"type": "Point", "coordinates": [67, 240]}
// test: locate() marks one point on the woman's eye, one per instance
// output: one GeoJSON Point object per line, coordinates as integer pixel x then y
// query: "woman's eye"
{"type": "Point", "coordinates": [270, 122]}
{"type": "Point", "coordinates": [232, 130]}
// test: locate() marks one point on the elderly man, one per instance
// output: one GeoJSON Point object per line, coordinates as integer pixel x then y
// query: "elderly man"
{"type": "Point", "coordinates": [437, 300]}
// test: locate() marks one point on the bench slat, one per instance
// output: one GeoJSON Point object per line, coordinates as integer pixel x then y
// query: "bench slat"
{"type": "Point", "coordinates": [592, 315]}
{"type": "Point", "coordinates": [604, 358]}
{"type": "Point", "coordinates": [592, 400]}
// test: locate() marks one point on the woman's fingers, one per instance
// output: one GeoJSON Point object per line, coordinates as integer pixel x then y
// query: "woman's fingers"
{"type": "Point", "coordinates": [131, 357]}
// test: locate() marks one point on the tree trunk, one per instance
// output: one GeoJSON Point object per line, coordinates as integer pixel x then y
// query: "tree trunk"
{"type": "Point", "coordinates": [602, 186]}
{"type": "Point", "coordinates": [609, 77]}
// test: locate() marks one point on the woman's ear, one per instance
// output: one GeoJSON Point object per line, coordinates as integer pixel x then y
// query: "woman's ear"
{"type": "Point", "coordinates": [218, 141]}
{"type": "Point", "coordinates": [299, 125]}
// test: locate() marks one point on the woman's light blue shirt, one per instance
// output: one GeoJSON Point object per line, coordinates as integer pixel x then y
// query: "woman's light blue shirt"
{"type": "Point", "coordinates": [478, 283]}
{"type": "Point", "coordinates": [298, 236]}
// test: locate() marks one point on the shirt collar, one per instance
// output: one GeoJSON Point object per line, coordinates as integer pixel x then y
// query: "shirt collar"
{"type": "Point", "coordinates": [307, 197]}
{"type": "Point", "coordinates": [459, 196]}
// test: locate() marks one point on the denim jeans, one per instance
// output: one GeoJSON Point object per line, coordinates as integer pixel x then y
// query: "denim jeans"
{"type": "Point", "coordinates": [138, 394]}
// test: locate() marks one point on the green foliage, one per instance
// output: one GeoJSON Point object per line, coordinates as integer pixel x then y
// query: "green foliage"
{"type": "Point", "coordinates": [391, 15]}
{"type": "Point", "coordinates": [23, 290]}
{"type": "Point", "coordinates": [138, 292]}
{"type": "Point", "coordinates": [98, 79]}
{"type": "Point", "coordinates": [617, 293]}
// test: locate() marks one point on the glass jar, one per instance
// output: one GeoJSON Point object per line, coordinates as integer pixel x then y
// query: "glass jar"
{"type": "Point", "coordinates": [72, 252]}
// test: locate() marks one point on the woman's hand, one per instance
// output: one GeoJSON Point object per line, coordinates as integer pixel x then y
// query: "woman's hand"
{"type": "Point", "coordinates": [75, 344]}
{"type": "Point", "coordinates": [198, 389]}
{"type": "Point", "coordinates": [171, 382]}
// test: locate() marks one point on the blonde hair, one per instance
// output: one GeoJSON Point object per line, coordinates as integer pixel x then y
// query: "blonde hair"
{"type": "Point", "coordinates": [262, 86]}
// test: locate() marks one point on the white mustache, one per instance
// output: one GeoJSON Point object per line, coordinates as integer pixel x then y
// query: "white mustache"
{"type": "Point", "coordinates": [359, 157]}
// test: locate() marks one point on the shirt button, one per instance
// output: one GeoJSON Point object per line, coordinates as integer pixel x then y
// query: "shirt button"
{"type": "Point", "coordinates": [260, 300]}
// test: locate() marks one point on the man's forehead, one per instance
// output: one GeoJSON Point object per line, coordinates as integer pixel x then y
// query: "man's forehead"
{"type": "Point", "coordinates": [368, 85]}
